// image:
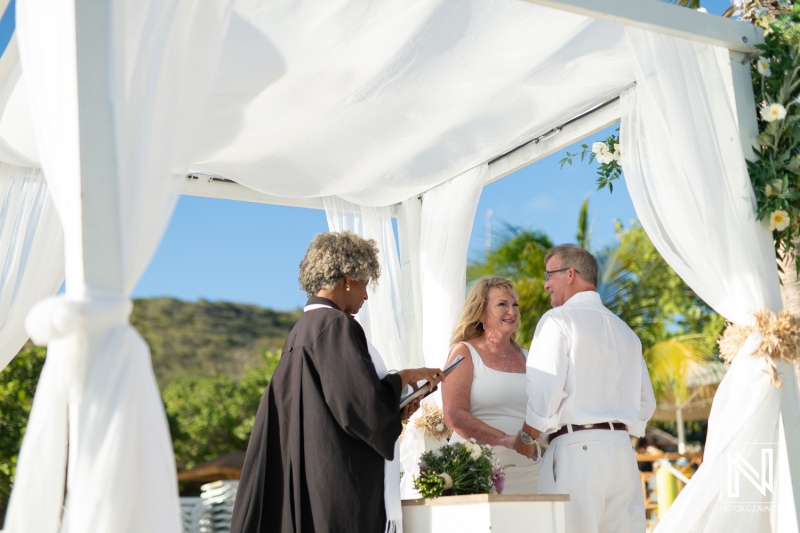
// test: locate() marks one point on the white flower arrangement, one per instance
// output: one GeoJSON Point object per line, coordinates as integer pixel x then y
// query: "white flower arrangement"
{"type": "Point", "coordinates": [773, 112]}
{"type": "Point", "coordinates": [779, 220]}
{"type": "Point", "coordinates": [762, 65]}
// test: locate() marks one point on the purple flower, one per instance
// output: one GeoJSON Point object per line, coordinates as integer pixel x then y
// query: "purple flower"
{"type": "Point", "coordinates": [500, 483]}
{"type": "Point", "coordinates": [499, 478]}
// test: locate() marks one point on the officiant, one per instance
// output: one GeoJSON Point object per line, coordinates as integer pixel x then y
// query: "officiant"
{"type": "Point", "coordinates": [326, 423]}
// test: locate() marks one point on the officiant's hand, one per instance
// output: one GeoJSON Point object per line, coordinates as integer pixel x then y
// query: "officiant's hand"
{"type": "Point", "coordinates": [410, 409]}
{"type": "Point", "coordinates": [411, 376]}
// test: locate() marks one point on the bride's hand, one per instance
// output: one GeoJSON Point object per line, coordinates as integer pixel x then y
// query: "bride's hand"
{"type": "Point", "coordinates": [508, 442]}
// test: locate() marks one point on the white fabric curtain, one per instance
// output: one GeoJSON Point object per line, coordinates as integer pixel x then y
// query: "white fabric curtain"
{"type": "Point", "coordinates": [382, 314]}
{"type": "Point", "coordinates": [687, 177]}
{"type": "Point", "coordinates": [445, 225]}
{"type": "Point", "coordinates": [31, 252]}
{"type": "Point", "coordinates": [97, 395]}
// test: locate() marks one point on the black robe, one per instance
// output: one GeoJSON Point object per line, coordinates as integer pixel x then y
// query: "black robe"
{"type": "Point", "coordinates": [325, 424]}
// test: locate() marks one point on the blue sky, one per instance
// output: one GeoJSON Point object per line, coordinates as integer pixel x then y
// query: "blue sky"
{"type": "Point", "coordinates": [249, 253]}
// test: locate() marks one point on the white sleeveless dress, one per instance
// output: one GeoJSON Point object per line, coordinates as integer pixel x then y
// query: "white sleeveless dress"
{"type": "Point", "coordinates": [499, 399]}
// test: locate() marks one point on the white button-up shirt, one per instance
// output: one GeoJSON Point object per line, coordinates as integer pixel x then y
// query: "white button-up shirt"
{"type": "Point", "coordinates": [585, 366]}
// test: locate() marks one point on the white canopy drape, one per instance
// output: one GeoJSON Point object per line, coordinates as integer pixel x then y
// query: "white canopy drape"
{"type": "Point", "coordinates": [686, 174]}
{"type": "Point", "coordinates": [382, 314]}
{"type": "Point", "coordinates": [32, 252]}
{"type": "Point", "coordinates": [445, 225]}
{"type": "Point", "coordinates": [97, 395]}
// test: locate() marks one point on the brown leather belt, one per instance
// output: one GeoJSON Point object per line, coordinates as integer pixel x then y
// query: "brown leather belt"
{"type": "Point", "coordinates": [601, 425]}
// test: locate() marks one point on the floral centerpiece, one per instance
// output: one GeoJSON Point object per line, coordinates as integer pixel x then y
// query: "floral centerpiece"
{"type": "Point", "coordinates": [459, 468]}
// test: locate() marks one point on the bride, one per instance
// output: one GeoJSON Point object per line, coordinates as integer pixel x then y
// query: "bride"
{"type": "Point", "coordinates": [485, 396]}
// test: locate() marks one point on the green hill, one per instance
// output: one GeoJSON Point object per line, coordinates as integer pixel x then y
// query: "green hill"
{"type": "Point", "coordinates": [196, 339]}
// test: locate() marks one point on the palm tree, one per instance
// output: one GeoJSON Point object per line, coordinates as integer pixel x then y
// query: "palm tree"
{"type": "Point", "coordinates": [677, 329]}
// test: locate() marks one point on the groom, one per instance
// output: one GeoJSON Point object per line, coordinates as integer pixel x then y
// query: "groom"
{"type": "Point", "coordinates": [588, 389]}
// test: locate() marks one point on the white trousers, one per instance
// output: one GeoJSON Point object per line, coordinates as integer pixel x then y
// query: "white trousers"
{"type": "Point", "coordinates": [597, 468]}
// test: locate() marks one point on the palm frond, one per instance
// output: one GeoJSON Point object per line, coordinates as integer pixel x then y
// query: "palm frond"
{"type": "Point", "coordinates": [669, 363]}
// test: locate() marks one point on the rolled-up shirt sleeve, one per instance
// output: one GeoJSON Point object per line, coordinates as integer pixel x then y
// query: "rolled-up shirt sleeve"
{"type": "Point", "coordinates": [547, 374]}
{"type": "Point", "coordinates": [647, 405]}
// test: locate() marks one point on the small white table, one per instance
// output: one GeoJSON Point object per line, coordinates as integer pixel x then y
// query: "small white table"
{"type": "Point", "coordinates": [495, 513]}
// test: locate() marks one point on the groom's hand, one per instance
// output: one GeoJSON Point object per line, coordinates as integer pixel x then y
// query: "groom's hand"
{"type": "Point", "coordinates": [530, 451]}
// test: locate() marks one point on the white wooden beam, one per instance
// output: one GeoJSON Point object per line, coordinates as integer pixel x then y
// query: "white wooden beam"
{"type": "Point", "coordinates": [102, 236]}
{"type": "Point", "coordinates": [555, 139]}
{"type": "Point", "coordinates": [669, 19]}
{"type": "Point", "coordinates": [218, 187]}
{"type": "Point", "coordinates": [212, 186]}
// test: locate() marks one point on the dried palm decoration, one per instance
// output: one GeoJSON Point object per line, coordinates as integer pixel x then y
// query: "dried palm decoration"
{"type": "Point", "coordinates": [780, 339]}
{"type": "Point", "coordinates": [431, 423]}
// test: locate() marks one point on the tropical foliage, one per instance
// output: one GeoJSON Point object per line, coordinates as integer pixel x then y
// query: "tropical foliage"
{"type": "Point", "coordinates": [676, 327]}
{"type": "Point", "coordinates": [213, 415]}
{"type": "Point", "coordinates": [17, 385]}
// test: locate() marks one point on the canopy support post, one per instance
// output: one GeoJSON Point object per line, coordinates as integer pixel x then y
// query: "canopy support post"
{"type": "Point", "coordinates": [100, 225]}
{"type": "Point", "coordinates": [742, 96]}
{"type": "Point", "coordinates": [681, 430]}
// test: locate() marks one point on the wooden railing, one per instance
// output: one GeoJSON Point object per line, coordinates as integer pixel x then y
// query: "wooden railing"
{"type": "Point", "coordinates": [648, 479]}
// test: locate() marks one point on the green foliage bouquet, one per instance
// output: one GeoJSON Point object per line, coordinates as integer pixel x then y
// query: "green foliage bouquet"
{"type": "Point", "coordinates": [775, 171]}
{"type": "Point", "coordinates": [459, 468]}
{"type": "Point", "coordinates": [607, 155]}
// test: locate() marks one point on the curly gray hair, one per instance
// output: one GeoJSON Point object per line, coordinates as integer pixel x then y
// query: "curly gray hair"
{"type": "Point", "coordinates": [333, 256]}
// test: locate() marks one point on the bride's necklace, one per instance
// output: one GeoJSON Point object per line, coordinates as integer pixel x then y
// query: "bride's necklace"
{"type": "Point", "coordinates": [500, 355]}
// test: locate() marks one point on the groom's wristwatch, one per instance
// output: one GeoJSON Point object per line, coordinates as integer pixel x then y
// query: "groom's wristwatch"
{"type": "Point", "coordinates": [527, 440]}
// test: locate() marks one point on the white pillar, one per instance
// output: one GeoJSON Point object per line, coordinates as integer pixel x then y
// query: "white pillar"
{"type": "Point", "coordinates": [789, 441]}
{"type": "Point", "coordinates": [102, 246]}
{"type": "Point", "coordinates": [789, 434]}
{"type": "Point", "coordinates": [681, 430]}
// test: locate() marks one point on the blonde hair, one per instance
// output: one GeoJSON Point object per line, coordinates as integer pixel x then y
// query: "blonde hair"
{"type": "Point", "coordinates": [331, 257]}
{"type": "Point", "coordinates": [573, 256]}
{"type": "Point", "coordinates": [470, 326]}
